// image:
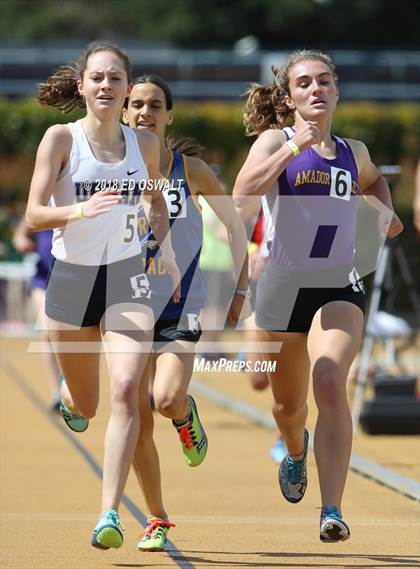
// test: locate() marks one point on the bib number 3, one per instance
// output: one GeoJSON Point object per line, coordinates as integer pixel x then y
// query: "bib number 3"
{"type": "Point", "coordinates": [176, 203]}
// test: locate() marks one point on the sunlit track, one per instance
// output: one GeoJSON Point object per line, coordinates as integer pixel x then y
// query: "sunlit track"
{"type": "Point", "coordinates": [70, 518]}
{"type": "Point", "coordinates": [359, 464]}
{"type": "Point", "coordinates": [137, 514]}
{"type": "Point", "coordinates": [228, 512]}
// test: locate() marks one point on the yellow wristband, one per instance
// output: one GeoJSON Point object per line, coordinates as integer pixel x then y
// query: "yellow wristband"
{"type": "Point", "coordinates": [252, 247]}
{"type": "Point", "coordinates": [79, 211]}
{"type": "Point", "coordinates": [293, 147]}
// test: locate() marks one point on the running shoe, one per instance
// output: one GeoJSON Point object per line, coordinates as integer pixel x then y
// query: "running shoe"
{"type": "Point", "coordinates": [292, 475]}
{"type": "Point", "coordinates": [155, 535]}
{"type": "Point", "coordinates": [192, 436]}
{"type": "Point", "coordinates": [332, 527]}
{"type": "Point", "coordinates": [278, 451]}
{"type": "Point", "coordinates": [108, 531]}
{"type": "Point", "coordinates": [75, 422]}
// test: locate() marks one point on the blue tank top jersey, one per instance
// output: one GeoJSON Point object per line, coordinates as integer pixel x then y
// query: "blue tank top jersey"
{"type": "Point", "coordinates": [316, 214]}
{"type": "Point", "coordinates": [187, 236]}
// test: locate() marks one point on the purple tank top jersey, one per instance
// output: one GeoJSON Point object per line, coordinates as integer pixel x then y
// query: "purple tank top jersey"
{"type": "Point", "coordinates": [316, 211]}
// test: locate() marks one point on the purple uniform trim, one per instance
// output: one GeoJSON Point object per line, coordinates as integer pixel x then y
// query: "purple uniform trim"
{"type": "Point", "coordinates": [315, 225]}
{"type": "Point", "coordinates": [43, 248]}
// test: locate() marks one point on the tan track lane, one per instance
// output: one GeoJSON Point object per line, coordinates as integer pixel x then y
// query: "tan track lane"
{"type": "Point", "coordinates": [229, 512]}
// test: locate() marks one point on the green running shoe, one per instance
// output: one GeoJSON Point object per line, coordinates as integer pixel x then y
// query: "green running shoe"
{"type": "Point", "coordinates": [108, 531]}
{"type": "Point", "coordinates": [155, 535]}
{"type": "Point", "coordinates": [74, 422]}
{"type": "Point", "coordinates": [192, 436]}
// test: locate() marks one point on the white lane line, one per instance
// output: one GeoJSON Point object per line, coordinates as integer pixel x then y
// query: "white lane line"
{"type": "Point", "coordinates": [244, 520]}
{"type": "Point", "coordinates": [358, 463]}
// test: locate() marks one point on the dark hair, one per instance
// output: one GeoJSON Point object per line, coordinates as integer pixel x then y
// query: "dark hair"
{"type": "Point", "coordinates": [60, 90]}
{"type": "Point", "coordinates": [159, 82]}
{"type": "Point", "coordinates": [265, 107]}
{"type": "Point", "coordinates": [185, 145]}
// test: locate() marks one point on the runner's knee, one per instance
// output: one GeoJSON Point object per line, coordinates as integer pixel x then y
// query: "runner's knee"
{"type": "Point", "coordinates": [125, 392]}
{"type": "Point", "coordinates": [170, 405]}
{"type": "Point", "coordinates": [289, 409]}
{"type": "Point", "coordinates": [329, 387]}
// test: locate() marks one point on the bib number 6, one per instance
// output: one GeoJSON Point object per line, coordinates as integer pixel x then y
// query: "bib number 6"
{"type": "Point", "coordinates": [340, 183]}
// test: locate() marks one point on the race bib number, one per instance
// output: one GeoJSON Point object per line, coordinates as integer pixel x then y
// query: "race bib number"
{"type": "Point", "coordinates": [340, 183]}
{"type": "Point", "coordinates": [176, 202]}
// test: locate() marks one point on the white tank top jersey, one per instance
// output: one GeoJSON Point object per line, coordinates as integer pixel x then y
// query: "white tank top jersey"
{"type": "Point", "coordinates": [111, 236]}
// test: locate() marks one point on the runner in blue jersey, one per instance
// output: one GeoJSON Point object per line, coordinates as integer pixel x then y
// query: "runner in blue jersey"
{"type": "Point", "coordinates": [187, 230]}
{"type": "Point", "coordinates": [310, 297]}
{"type": "Point", "coordinates": [177, 328]}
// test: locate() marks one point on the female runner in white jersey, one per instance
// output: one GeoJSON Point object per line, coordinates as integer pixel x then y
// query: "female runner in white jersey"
{"type": "Point", "coordinates": [149, 108]}
{"type": "Point", "coordinates": [318, 178]}
{"type": "Point", "coordinates": [95, 171]}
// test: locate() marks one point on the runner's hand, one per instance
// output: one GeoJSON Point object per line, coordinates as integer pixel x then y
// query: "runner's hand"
{"type": "Point", "coordinates": [240, 309]}
{"type": "Point", "coordinates": [389, 224]}
{"type": "Point", "coordinates": [101, 202]}
{"type": "Point", "coordinates": [172, 269]}
{"type": "Point", "coordinates": [307, 133]}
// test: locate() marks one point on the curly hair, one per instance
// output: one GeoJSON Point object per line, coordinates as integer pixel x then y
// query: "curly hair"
{"type": "Point", "coordinates": [265, 107]}
{"type": "Point", "coordinates": [60, 90]}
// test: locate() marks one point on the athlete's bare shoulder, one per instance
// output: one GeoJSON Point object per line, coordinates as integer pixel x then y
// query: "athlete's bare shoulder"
{"type": "Point", "coordinates": [271, 139]}
{"type": "Point", "coordinates": [360, 152]}
{"type": "Point", "coordinates": [356, 145]}
{"type": "Point", "coordinates": [56, 144]}
{"type": "Point", "coordinates": [266, 144]}
{"type": "Point", "coordinates": [59, 134]}
{"type": "Point", "coordinates": [148, 142]}
{"type": "Point", "coordinates": [196, 165]}
{"type": "Point", "coordinates": [202, 178]}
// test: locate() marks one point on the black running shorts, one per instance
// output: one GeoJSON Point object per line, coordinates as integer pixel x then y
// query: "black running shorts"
{"type": "Point", "coordinates": [185, 328]}
{"type": "Point", "coordinates": [80, 294]}
{"type": "Point", "coordinates": [288, 300]}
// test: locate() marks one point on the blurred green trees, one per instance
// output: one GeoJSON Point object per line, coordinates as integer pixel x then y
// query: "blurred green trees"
{"type": "Point", "coordinates": [391, 132]}
{"type": "Point", "coordinates": [276, 24]}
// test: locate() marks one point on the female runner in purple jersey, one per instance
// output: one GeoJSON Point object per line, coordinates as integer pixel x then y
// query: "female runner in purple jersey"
{"type": "Point", "coordinates": [317, 178]}
{"type": "Point", "coordinates": [149, 107]}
